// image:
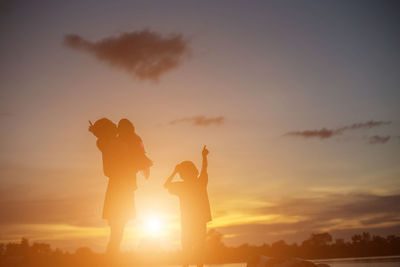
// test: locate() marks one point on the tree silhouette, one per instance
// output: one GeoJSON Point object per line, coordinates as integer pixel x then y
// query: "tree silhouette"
{"type": "Point", "coordinates": [318, 245]}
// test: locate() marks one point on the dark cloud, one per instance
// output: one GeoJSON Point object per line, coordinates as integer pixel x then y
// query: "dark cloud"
{"type": "Point", "coordinates": [338, 206]}
{"type": "Point", "coordinates": [144, 54]}
{"type": "Point", "coordinates": [344, 215]}
{"type": "Point", "coordinates": [5, 114]}
{"type": "Point", "coordinates": [377, 139]}
{"type": "Point", "coordinates": [365, 125]}
{"type": "Point", "coordinates": [322, 133]}
{"type": "Point", "coordinates": [294, 232]}
{"type": "Point", "coordinates": [200, 120]}
{"type": "Point", "coordinates": [379, 219]}
{"type": "Point", "coordinates": [325, 133]}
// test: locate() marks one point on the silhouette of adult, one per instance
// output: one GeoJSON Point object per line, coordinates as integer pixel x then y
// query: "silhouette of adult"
{"type": "Point", "coordinates": [120, 167]}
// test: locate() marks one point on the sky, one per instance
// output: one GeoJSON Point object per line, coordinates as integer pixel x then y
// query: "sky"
{"type": "Point", "coordinates": [297, 101]}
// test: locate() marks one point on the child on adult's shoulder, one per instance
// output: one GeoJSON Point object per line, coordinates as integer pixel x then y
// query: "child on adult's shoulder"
{"type": "Point", "coordinates": [194, 205]}
{"type": "Point", "coordinates": [128, 136]}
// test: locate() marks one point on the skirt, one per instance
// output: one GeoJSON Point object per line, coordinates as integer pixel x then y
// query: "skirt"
{"type": "Point", "coordinates": [119, 202]}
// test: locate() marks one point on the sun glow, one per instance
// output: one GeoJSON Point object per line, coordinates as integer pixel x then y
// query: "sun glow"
{"type": "Point", "coordinates": [153, 226]}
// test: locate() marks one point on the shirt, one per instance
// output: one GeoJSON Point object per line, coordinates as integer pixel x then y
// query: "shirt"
{"type": "Point", "coordinates": [193, 198]}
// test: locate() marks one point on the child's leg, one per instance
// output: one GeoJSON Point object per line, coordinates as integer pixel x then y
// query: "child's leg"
{"type": "Point", "coordinates": [186, 244]}
{"type": "Point", "coordinates": [200, 244]}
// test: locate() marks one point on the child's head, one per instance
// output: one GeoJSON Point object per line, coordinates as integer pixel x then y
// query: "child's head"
{"type": "Point", "coordinates": [125, 127]}
{"type": "Point", "coordinates": [187, 170]}
{"type": "Point", "coordinates": [104, 128]}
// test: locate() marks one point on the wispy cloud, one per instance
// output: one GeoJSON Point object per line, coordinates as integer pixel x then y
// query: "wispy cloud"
{"type": "Point", "coordinates": [345, 213]}
{"type": "Point", "coordinates": [325, 133]}
{"type": "Point", "coordinates": [42, 211]}
{"type": "Point", "coordinates": [337, 206]}
{"type": "Point", "coordinates": [292, 219]}
{"type": "Point", "coordinates": [144, 54]}
{"type": "Point", "coordinates": [200, 120]}
{"type": "Point", "coordinates": [377, 139]}
{"type": "Point", "coordinates": [364, 125]}
{"type": "Point", "coordinates": [322, 133]}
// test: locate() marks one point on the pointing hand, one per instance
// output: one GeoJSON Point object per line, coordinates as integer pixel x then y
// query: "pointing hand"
{"type": "Point", "coordinates": [205, 151]}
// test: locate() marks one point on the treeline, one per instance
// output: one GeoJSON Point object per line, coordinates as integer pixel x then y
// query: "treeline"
{"type": "Point", "coordinates": [317, 246]}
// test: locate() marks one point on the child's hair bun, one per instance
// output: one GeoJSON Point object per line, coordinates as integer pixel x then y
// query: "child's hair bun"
{"type": "Point", "coordinates": [126, 125]}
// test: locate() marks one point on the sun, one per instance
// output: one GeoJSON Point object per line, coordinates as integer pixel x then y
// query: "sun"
{"type": "Point", "coordinates": [153, 226]}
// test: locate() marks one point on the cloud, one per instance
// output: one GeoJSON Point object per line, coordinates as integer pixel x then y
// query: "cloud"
{"type": "Point", "coordinates": [377, 139]}
{"type": "Point", "coordinates": [74, 211]}
{"type": "Point", "coordinates": [322, 133]}
{"type": "Point", "coordinates": [325, 133]}
{"type": "Point", "coordinates": [338, 206]}
{"type": "Point", "coordinates": [28, 194]}
{"type": "Point", "coordinates": [145, 54]}
{"type": "Point", "coordinates": [200, 120]}
{"type": "Point", "coordinates": [339, 214]}
{"type": "Point", "coordinates": [364, 125]}
{"type": "Point", "coordinates": [294, 232]}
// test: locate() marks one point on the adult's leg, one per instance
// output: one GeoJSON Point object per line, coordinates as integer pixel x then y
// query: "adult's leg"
{"type": "Point", "coordinates": [116, 234]}
{"type": "Point", "coordinates": [186, 256]}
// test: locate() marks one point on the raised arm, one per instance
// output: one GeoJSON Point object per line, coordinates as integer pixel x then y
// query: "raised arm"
{"type": "Point", "coordinates": [203, 173]}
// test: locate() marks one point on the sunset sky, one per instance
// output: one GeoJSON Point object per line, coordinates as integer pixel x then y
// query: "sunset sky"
{"type": "Point", "coordinates": [297, 101]}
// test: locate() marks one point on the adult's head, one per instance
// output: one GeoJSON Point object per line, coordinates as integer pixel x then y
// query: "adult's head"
{"type": "Point", "coordinates": [187, 170]}
{"type": "Point", "coordinates": [104, 128]}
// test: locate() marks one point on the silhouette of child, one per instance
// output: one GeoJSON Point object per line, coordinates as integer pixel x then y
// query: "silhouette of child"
{"type": "Point", "coordinates": [127, 135]}
{"type": "Point", "coordinates": [194, 206]}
